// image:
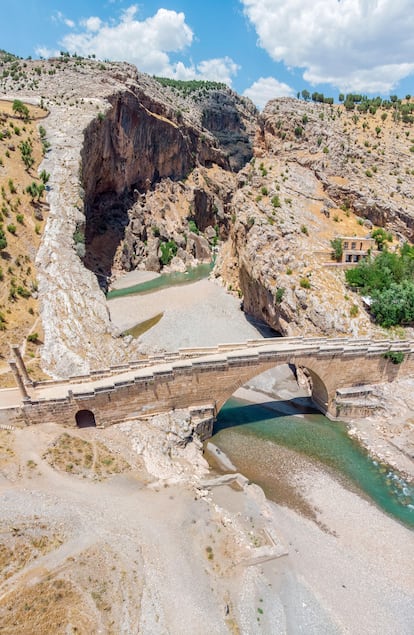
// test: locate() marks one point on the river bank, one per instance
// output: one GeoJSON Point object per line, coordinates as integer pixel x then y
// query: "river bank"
{"type": "Point", "coordinates": [328, 570]}
{"type": "Point", "coordinates": [158, 544]}
{"type": "Point", "coordinates": [196, 314]}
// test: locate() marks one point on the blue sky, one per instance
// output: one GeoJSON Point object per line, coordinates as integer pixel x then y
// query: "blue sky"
{"type": "Point", "coordinates": [262, 48]}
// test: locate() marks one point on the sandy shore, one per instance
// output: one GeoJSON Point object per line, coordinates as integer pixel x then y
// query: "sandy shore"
{"type": "Point", "coordinates": [198, 314]}
{"type": "Point", "coordinates": [177, 556]}
{"type": "Point", "coordinates": [132, 278]}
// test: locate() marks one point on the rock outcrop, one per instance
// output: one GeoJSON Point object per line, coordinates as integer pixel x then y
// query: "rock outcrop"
{"type": "Point", "coordinates": [319, 172]}
{"type": "Point", "coordinates": [144, 175]}
{"type": "Point", "coordinates": [129, 172]}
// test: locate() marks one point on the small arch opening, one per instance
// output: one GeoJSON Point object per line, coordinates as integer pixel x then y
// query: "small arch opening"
{"type": "Point", "coordinates": [85, 419]}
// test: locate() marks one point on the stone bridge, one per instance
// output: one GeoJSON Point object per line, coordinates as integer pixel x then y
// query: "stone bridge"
{"type": "Point", "coordinates": [203, 379]}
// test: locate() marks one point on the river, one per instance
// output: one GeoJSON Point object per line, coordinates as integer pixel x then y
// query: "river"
{"type": "Point", "coordinates": [275, 449]}
{"type": "Point", "coordinates": [164, 281]}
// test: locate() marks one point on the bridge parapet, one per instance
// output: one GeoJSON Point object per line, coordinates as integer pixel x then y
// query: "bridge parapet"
{"type": "Point", "coordinates": [179, 380]}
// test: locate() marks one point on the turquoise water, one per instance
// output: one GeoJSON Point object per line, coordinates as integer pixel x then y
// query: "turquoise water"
{"type": "Point", "coordinates": [318, 438]}
{"type": "Point", "coordinates": [165, 280]}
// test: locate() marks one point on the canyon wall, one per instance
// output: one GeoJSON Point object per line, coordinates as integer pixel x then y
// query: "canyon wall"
{"type": "Point", "coordinates": [131, 166]}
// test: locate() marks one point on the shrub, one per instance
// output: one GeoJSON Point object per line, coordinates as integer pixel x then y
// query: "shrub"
{"type": "Point", "coordinates": [192, 226]}
{"type": "Point", "coordinates": [168, 251]}
{"type": "Point", "coordinates": [12, 228]}
{"type": "Point", "coordinates": [3, 239]}
{"type": "Point", "coordinates": [337, 249]}
{"type": "Point", "coordinates": [354, 310]}
{"type": "Point", "coordinates": [305, 283]}
{"type": "Point", "coordinates": [33, 337]}
{"type": "Point", "coordinates": [396, 357]}
{"type": "Point", "coordinates": [78, 236]}
{"type": "Point", "coordinates": [23, 292]}
{"type": "Point", "coordinates": [279, 295]}
{"type": "Point", "coordinates": [304, 230]}
{"type": "Point", "coordinates": [276, 201]}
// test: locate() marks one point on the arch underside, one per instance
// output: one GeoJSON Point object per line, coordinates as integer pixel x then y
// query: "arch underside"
{"type": "Point", "coordinates": [85, 419]}
{"type": "Point", "coordinates": [319, 391]}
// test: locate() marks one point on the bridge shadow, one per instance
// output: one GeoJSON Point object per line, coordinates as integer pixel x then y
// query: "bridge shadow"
{"type": "Point", "coordinates": [264, 329]}
{"type": "Point", "coordinates": [235, 413]}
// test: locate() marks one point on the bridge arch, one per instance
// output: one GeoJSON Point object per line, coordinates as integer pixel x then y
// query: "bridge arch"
{"type": "Point", "coordinates": [319, 391]}
{"type": "Point", "coordinates": [85, 419]}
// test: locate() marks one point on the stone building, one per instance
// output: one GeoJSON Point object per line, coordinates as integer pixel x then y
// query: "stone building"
{"type": "Point", "coordinates": [354, 248]}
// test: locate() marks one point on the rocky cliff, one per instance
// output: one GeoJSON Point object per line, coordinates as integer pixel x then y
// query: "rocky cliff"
{"type": "Point", "coordinates": [129, 161]}
{"type": "Point", "coordinates": [319, 172]}
{"type": "Point", "coordinates": [146, 174]}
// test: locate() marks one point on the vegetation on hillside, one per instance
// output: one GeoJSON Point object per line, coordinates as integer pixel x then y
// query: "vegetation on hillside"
{"type": "Point", "coordinates": [401, 108]}
{"type": "Point", "coordinates": [191, 86]}
{"type": "Point", "coordinates": [389, 280]}
{"type": "Point", "coordinates": [22, 209]}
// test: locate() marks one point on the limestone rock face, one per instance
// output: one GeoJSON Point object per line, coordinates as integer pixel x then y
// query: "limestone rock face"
{"type": "Point", "coordinates": [143, 175]}
{"type": "Point", "coordinates": [318, 173]}
{"type": "Point", "coordinates": [230, 125]}
{"type": "Point", "coordinates": [121, 147]}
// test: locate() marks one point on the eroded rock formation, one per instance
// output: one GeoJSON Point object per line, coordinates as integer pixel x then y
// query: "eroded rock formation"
{"type": "Point", "coordinates": [131, 167]}
{"type": "Point", "coordinates": [143, 176]}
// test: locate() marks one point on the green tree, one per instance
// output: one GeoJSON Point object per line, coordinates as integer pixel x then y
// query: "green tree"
{"type": "Point", "coordinates": [44, 176]}
{"type": "Point", "coordinates": [32, 190]}
{"type": "Point", "coordinates": [20, 108]}
{"type": "Point", "coordinates": [337, 249]}
{"type": "Point", "coordinates": [3, 239]}
{"type": "Point", "coordinates": [381, 237]}
{"type": "Point", "coordinates": [394, 305]}
{"type": "Point", "coordinates": [26, 150]}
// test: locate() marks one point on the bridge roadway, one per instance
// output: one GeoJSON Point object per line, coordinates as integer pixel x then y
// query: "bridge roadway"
{"type": "Point", "coordinates": [208, 377]}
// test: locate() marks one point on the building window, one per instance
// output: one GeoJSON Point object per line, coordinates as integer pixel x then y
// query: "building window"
{"type": "Point", "coordinates": [346, 244]}
{"type": "Point", "coordinates": [353, 245]}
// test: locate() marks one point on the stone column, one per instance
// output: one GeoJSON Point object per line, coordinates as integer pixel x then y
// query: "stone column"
{"type": "Point", "coordinates": [21, 364]}
{"type": "Point", "coordinates": [19, 380]}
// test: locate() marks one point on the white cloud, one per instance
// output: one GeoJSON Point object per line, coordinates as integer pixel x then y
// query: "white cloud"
{"type": "Point", "coordinates": [59, 17]}
{"type": "Point", "coordinates": [92, 24]}
{"type": "Point", "coordinates": [145, 43]}
{"type": "Point", "coordinates": [44, 51]}
{"type": "Point", "coordinates": [266, 88]}
{"type": "Point", "coordinates": [221, 69]}
{"type": "Point", "coordinates": [361, 45]}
